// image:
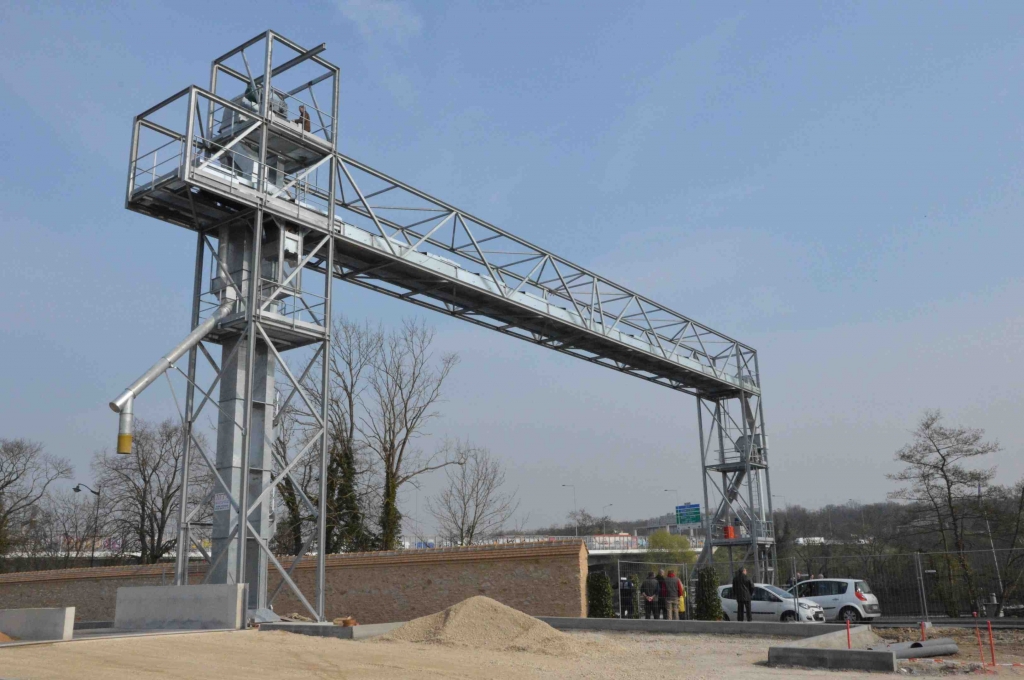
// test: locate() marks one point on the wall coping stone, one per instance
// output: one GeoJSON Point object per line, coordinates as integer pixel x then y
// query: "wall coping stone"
{"type": "Point", "coordinates": [568, 548]}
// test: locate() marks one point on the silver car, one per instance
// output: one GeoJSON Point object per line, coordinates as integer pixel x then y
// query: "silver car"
{"type": "Point", "coordinates": [843, 599]}
{"type": "Point", "coordinates": [771, 603]}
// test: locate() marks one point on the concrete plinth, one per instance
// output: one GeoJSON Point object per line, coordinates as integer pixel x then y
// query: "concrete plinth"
{"type": "Point", "coordinates": [180, 607]}
{"type": "Point", "coordinates": [796, 630]}
{"type": "Point", "coordinates": [56, 623]}
{"type": "Point", "coordinates": [362, 632]}
{"type": "Point", "coordinates": [833, 659]}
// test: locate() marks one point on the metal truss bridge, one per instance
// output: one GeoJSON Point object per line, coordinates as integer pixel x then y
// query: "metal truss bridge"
{"type": "Point", "coordinates": [251, 165]}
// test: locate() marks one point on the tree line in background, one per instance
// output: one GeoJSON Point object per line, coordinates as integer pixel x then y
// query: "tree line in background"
{"type": "Point", "coordinates": [949, 506]}
{"type": "Point", "coordinates": [385, 389]}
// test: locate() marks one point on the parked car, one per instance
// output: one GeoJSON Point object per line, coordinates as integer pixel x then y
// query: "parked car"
{"type": "Point", "coordinates": [842, 598]}
{"type": "Point", "coordinates": [771, 603]}
{"type": "Point", "coordinates": [1016, 610]}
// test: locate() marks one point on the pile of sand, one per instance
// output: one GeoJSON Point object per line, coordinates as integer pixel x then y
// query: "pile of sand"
{"type": "Point", "coordinates": [482, 623]}
{"type": "Point", "coordinates": [5, 638]}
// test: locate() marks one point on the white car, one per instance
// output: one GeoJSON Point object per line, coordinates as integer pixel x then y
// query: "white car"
{"type": "Point", "coordinates": [771, 603]}
{"type": "Point", "coordinates": [842, 598]}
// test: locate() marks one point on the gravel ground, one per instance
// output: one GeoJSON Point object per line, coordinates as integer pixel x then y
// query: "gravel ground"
{"type": "Point", "coordinates": [247, 654]}
{"type": "Point", "coordinates": [1009, 643]}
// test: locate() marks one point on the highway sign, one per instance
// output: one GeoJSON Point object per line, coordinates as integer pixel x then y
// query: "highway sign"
{"type": "Point", "coordinates": [688, 513]}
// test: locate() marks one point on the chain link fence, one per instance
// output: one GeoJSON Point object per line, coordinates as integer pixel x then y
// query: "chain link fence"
{"type": "Point", "coordinates": [915, 586]}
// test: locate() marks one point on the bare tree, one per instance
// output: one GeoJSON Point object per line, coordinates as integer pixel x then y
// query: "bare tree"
{"type": "Point", "coordinates": [141, 489]}
{"type": "Point", "coordinates": [354, 348]}
{"type": "Point", "coordinates": [26, 472]}
{"type": "Point", "coordinates": [294, 523]}
{"type": "Point", "coordinates": [473, 504]}
{"type": "Point", "coordinates": [350, 466]}
{"type": "Point", "coordinates": [404, 391]}
{"type": "Point", "coordinates": [942, 487]}
{"type": "Point", "coordinates": [62, 529]}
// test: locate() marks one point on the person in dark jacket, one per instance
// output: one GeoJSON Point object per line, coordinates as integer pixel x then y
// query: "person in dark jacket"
{"type": "Point", "coordinates": [649, 591]}
{"type": "Point", "coordinates": [662, 596]}
{"type": "Point", "coordinates": [743, 591]}
{"type": "Point", "coordinates": [303, 118]}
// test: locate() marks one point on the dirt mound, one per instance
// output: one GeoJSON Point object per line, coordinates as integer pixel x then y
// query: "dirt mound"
{"type": "Point", "coordinates": [482, 623]}
{"type": "Point", "coordinates": [5, 638]}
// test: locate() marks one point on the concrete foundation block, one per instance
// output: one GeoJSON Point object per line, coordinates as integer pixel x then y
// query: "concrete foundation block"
{"type": "Point", "coordinates": [795, 630]}
{"type": "Point", "coordinates": [361, 632]}
{"type": "Point", "coordinates": [55, 623]}
{"type": "Point", "coordinates": [833, 659]}
{"type": "Point", "coordinates": [200, 607]}
{"type": "Point", "coordinates": [860, 637]}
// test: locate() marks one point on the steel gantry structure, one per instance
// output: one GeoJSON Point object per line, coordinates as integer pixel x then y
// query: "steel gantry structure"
{"type": "Point", "coordinates": [252, 166]}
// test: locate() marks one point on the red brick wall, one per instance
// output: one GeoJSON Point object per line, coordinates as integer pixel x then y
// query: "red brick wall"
{"type": "Point", "coordinates": [541, 579]}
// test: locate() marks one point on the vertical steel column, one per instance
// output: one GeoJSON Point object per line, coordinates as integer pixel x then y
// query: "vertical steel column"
{"type": "Point", "coordinates": [922, 592]}
{"type": "Point", "coordinates": [132, 160]}
{"type": "Point", "coordinates": [321, 556]}
{"type": "Point", "coordinates": [721, 459]}
{"type": "Point", "coordinates": [767, 480]}
{"type": "Point", "coordinates": [250, 365]}
{"type": "Point", "coordinates": [181, 566]}
{"type": "Point", "coordinates": [704, 478]}
{"type": "Point", "coordinates": [186, 151]}
{"type": "Point", "coordinates": [796, 580]}
{"type": "Point", "coordinates": [250, 331]}
{"type": "Point", "coordinates": [748, 434]}
{"type": "Point", "coordinates": [209, 102]}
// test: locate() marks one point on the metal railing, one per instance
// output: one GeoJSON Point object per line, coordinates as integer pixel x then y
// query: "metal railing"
{"type": "Point", "coordinates": [150, 167]}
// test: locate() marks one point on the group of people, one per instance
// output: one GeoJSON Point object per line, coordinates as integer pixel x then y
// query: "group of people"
{"type": "Point", "coordinates": [663, 596]}
{"type": "Point", "coordinates": [797, 577]}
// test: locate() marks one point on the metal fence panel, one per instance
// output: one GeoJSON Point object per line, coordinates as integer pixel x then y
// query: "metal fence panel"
{"type": "Point", "coordinates": [628, 601]}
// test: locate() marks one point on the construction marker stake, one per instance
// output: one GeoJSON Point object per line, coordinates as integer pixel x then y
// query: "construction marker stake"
{"type": "Point", "coordinates": [991, 643]}
{"type": "Point", "coordinates": [924, 636]}
{"type": "Point", "coordinates": [981, 650]}
{"type": "Point", "coordinates": [849, 642]}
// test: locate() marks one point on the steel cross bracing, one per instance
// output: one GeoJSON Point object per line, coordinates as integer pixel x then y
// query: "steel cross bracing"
{"type": "Point", "coordinates": [403, 242]}
{"type": "Point", "coordinates": [212, 160]}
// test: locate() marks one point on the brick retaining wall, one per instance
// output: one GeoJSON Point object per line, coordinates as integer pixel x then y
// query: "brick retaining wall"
{"type": "Point", "coordinates": [542, 579]}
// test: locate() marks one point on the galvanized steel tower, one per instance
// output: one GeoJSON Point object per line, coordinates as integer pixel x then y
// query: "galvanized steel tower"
{"type": "Point", "coordinates": [251, 166]}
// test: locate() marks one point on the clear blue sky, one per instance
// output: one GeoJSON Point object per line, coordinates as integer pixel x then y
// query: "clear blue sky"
{"type": "Point", "coordinates": [837, 185]}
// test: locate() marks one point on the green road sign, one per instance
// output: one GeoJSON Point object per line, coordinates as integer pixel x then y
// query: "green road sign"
{"type": "Point", "coordinates": [688, 513]}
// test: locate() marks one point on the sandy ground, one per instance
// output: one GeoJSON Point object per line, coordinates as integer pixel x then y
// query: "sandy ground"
{"type": "Point", "coordinates": [248, 654]}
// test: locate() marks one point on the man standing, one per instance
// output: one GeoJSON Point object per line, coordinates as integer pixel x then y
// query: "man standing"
{"type": "Point", "coordinates": [743, 591]}
{"type": "Point", "coordinates": [674, 589]}
{"type": "Point", "coordinates": [649, 592]}
{"type": "Point", "coordinates": [303, 118]}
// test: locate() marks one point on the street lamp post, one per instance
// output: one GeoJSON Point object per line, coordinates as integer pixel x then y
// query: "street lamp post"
{"type": "Point", "coordinates": [95, 519]}
{"type": "Point", "coordinates": [604, 518]}
{"type": "Point", "coordinates": [575, 512]}
{"type": "Point", "coordinates": [992, 545]}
